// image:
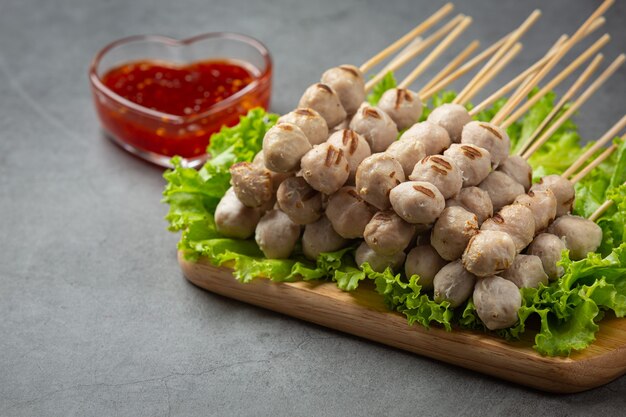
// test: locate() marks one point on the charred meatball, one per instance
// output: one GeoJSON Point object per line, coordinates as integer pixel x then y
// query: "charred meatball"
{"type": "Point", "coordinates": [375, 126]}
{"type": "Point", "coordinates": [488, 136]}
{"type": "Point", "coordinates": [375, 178]}
{"type": "Point", "coordinates": [324, 100]}
{"type": "Point", "coordinates": [283, 146]}
{"type": "Point", "coordinates": [310, 122]}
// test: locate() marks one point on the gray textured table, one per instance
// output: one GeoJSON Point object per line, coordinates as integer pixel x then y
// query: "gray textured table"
{"type": "Point", "coordinates": [95, 316]}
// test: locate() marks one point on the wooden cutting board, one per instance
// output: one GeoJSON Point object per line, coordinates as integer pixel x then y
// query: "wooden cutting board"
{"type": "Point", "coordinates": [362, 313]}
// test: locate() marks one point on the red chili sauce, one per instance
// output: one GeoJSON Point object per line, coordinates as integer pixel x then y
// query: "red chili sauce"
{"type": "Point", "coordinates": [186, 91]}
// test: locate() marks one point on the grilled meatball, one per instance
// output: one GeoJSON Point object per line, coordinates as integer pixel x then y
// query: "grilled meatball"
{"type": "Point", "coordinates": [233, 219]}
{"type": "Point", "coordinates": [324, 100]}
{"type": "Point", "coordinates": [440, 171]}
{"type": "Point", "coordinates": [375, 126]}
{"type": "Point", "coordinates": [325, 168]}
{"type": "Point", "coordinates": [310, 122]}
{"type": "Point", "coordinates": [543, 206]}
{"type": "Point", "coordinates": [452, 232]}
{"type": "Point", "coordinates": [563, 190]}
{"type": "Point", "coordinates": [252, 185]}
{"type": "Point", "coordinates": [548, 248]}
{"type": "Point", "coordinates": [283, 147]}
{"type": "Point", "coordinates": [387, 234]}
{"type": "Point", "coordinates": [489, 252]}
{"type": "Point", "coordinates": [501, 188]}
{"type": "Point", "coordinates": [408, 152]}
{"type": "Point", "coordinates": [434, 137]}
{"type": "Point", "coordinates": [423, 260]}
{"type": "Point", "coordinates": [348, 82]}
{"type": "Point", "coordinates": [417, 202]}
{"type": "Point", "coordinates": [473, 161]}
{"type": "Point", "coordinates": [402, 105]}
{"type": "Point", "coordinates": [349, 213]}
{"type": "Point", "coordinates": [490, 137]}
{"type": "Point", "coordinates": [299, 201]}
{"type": "Point", "coordinates": [497, 302]}
{"type": "Point", "coordinates": [320, 237]}
{"type": "Point", "coordinates": [526, 272]}
{"type": "Point", "coordinates": [475, 200]}
{"type": "Point", "coordinates": [519, 169]}
{"type": "Point", "coordinates": [581, 235]}
{"type": "Point", "coordinates": [276, 234]}
{"type": "Point", "coordinates": [355, 148]}
{"type": "Point", "coordinates": [276, 177]}
{"type": "Point", "coordinates": [376, 261]}
{"type": "Point", "coordinates": [453, 284]}
{"type": "Point", "coordinates": [375, 178]}
{"type": "Point", "coordinates": [452, 117]}
{"type": "Point", "coordinates": [516, 220]}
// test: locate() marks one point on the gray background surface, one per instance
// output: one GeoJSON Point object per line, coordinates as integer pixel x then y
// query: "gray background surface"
{"type": "Point", "coordinates": [95, 316]}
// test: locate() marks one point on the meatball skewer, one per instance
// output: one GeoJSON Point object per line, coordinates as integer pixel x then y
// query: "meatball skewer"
{"type": "Point", "coordinates": [342, 88]}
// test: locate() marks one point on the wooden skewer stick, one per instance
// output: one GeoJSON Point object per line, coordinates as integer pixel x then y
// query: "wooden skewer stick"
{"type": "Point", "coordinates": [454, 64]}
{"type": "Point", "coordinates": [550, 52]}
{"type": "Point", "coordinates": [576, 105]}
{"type": "Point", "coordinates": [515, 36]}
{"type": "Point", "coordinates": [582, 79]}
{"type": "Point", "coordinates": [468, 66]}
{"type": "Point", "coordinates": [415, 32]}
{"type": "Point", "coordinates": [578, 35]}
{"type": "Point", "coordinates": [600, 210]}
{"type": "Point", "coordinates": [599, 44]}
{"type": "Point", "coordinates": [595, 26]}
{"type": "Point", "coordinates": [610, 134]}
{"type": "Point", "coordinates": [529, 73]}
{"type": "Point", "coordinates": [495, 70]}
{"type": "Point", "coordinates": [435, 53]}
{"type": "Point", "coordinates": [425, 44]}
{"type": "Point", "coordinates": [593, 164]}
{"type": "Point", "coordinates": [410, 48]}
{"type": "Point", "coordinates": [604, 206]}
{"type": "Point", "coordinates": [522, 77]}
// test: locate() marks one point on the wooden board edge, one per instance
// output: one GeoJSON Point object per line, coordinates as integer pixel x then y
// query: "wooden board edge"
{"type": "Point", "coordinates": [476, 351]}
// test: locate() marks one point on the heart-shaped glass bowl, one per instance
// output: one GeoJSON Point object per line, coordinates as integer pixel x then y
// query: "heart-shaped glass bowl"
{"type": "Point", "coordinates": [156, 136]}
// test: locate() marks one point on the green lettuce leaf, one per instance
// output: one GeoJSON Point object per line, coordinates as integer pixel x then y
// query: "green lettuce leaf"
{"type": "Point", "coordinates": [193, 195]}
{"type": "Point", "coordinates": [406, 296]}
{"type": "Point", "coordinates": [386, 83]}
{"type": "Point", "coordinates": [569, 308]}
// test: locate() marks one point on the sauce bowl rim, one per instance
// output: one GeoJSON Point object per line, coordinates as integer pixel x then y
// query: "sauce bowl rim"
{"type": "Point", "coordinates": [97, 83]}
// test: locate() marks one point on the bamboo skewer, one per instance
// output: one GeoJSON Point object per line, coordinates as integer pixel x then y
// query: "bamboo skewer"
{"type": "Point", "coordinates": [523, 77]}
{"type": "Point", "coordinates": [453, 65]}
{"type": "Point", "coordinates": [604, 206]}
{"type": "Point", "coordinates": [527, 75]}
{"type": "Point", "coordinates": [410, 48]}
{"type": "Point", "coordinates": [468, 66]}
{"type": "Point", "coordinates": [495, 70]}
{"type": "Point", "coordinates": [576, 105]}
{"type": "Point", "coordinates": [515, 36]}
{"type": "Point", "coordinates": [599, 44]}
{"type": "Point", "coordinates": [610, 134]}
{"type": "Point", "coordinates": [595, 26]}
{"type": "Point", "coordinates": [578, 35]}
{"type": "Point", "coordinates": [421, 47]}
{"type": "Point", "coordinates": [415, 32]}
{"type": "Point", "coordinates": [600, 210]}
{"type": "Point", "coordinates": [582, 79]}
{"type": "Point", "coordinates": [550, 52]}
{"type": "Point", "coordinates": [445, 44]}
{"type": "Point", "coordinates": [593, 164]}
